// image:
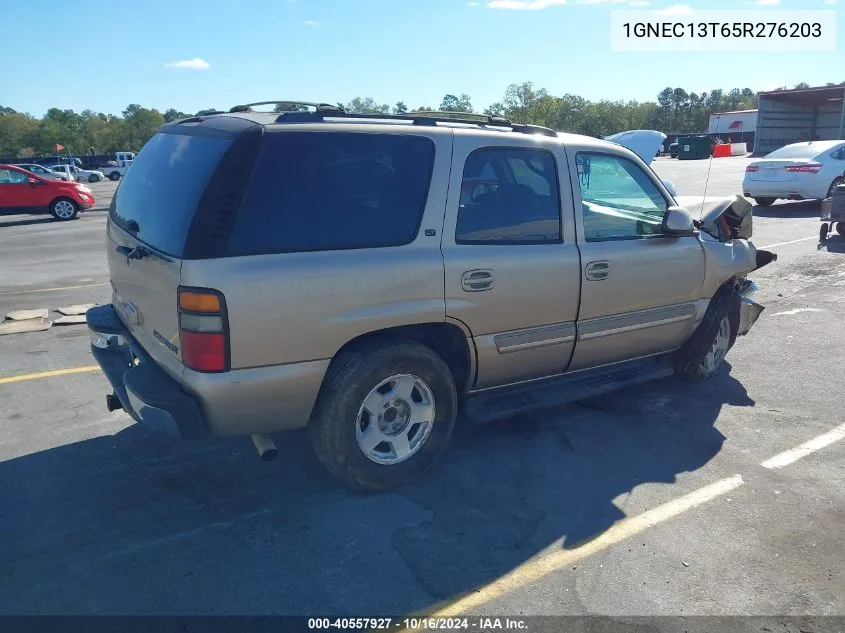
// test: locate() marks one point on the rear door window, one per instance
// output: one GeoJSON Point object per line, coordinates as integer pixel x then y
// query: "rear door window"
{"type": "Point", "coordinates": [318, 191]}
{"type": "Point", "coordinates": [161, 192]}
{"type": "Point", "coordinates": [509, 196]}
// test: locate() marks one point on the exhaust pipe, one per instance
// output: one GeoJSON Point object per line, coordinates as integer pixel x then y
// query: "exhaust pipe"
{"type": "Point", "coordinates": [265, 446]}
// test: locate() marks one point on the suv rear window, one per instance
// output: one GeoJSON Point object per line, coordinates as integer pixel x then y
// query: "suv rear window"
{"type": "Point", "coordinates": [315, 191]}
{"type": "Point", "coordinates": [164, 186]}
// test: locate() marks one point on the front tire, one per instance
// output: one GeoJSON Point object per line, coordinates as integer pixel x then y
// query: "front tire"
{"type": "Point", "coordinates": [64, 209]}
{"type": "Point", "coordinates": [765, 202]}
{"type": "Point", "coordinates": [703, 355]}
{"type": "Point", "coordinates": [385, 414]}
{"type": "Point", "coordinates": [840, 228]}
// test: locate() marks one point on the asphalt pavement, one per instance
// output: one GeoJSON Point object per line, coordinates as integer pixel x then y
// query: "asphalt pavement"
{"type": "Point", "coordinates": [663, 499]}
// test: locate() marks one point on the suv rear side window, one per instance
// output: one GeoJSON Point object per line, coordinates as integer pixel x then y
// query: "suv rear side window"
{"type": "Point", "coordinates": [509, 196]}
{"type": "Point", "coordinates": [320, 191]}
{"type": "Point", "coordinates": [162, 190]}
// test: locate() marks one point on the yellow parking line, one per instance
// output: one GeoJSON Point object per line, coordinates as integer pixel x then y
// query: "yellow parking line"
{"type": "Point", "coordinates": [538, 568]}
{"type": "Point", "coordinates": [26, 292]}
{"type": "Point", "coordinates": [49, 374]}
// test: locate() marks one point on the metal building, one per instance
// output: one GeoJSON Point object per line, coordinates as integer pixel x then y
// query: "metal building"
{"type": "Point", "coordinates": [803, 114]}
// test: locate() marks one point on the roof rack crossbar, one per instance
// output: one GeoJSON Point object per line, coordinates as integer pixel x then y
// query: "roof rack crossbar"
{"type": "Point", "coordinates": [423, 117]}
{"type": "Point", "coordinates": [319, 107]}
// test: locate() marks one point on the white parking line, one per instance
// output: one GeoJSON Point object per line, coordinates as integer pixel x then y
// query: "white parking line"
{"type": "Point", "coordinates": [807, 448]}
{"type": "Point", "coordinates": [803, 239]}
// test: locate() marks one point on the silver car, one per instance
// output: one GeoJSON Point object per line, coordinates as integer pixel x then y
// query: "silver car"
{"type": "Point", "coordinates": [40, 170]}
{"type": "Point", "coordinates": [368, 277]}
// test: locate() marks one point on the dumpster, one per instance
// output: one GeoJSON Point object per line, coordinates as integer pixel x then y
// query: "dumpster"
{"type": "Point", "coordinates": [694, 147]}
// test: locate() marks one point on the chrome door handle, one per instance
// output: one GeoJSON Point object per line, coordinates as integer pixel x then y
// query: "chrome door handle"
{"type": "Point", "coordinates": [597, 271]}
{"type": "Point", "coordinates": [476, 280]}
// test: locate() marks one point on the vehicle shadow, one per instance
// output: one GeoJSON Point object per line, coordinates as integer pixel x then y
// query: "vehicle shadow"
{"type": "Point", "coordinates": [788, 209]}
{"type": "Point", "coordinates": [135, 524]}
{"type": "Point", "coordinates": [26, 221]}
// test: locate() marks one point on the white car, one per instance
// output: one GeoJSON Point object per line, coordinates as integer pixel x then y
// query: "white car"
{"type": "Point", "coordinates": [801, 171]}
{"type": "Point", "coordinates": [71, 172]}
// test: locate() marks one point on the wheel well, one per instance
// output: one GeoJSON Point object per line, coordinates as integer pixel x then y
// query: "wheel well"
{"type": "Point", "coordinates": [445, 339]}
{"type": "Point", "coordinates": [57, 198]}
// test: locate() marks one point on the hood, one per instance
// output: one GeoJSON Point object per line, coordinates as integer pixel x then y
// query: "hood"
{"type": "Point", "coordinates": [724, 218]}
{"type": "Point", "coordinates": [644, 143]}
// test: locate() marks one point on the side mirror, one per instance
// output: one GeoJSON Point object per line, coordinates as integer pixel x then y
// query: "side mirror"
{"type": "Point", "coordinates": [670, 188]}
{"type": "Point", "coordinates": [678, 222]}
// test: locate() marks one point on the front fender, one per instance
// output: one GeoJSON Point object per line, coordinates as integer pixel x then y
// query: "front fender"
{"type": "Point", "coordinates": [726, 260]}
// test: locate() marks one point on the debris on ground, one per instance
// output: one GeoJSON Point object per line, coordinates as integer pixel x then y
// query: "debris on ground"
{"type": "Point", "coordinates": [75, 310]}
{"type": "Point", "coordinates": [26, 315]}
{"type": "Point", "coordinates": [70, 319]}
{"type": "Point", "coordinates": [19, 326]}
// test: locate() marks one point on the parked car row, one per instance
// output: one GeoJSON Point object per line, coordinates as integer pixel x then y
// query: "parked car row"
{"type": "Point", "coordinates": [70, 169]}
{"type": "Point", "coordinates": [24, 190]}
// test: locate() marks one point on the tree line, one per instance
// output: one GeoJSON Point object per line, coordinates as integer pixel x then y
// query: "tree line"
{"type": "Point", "coordinates": [674, 111]}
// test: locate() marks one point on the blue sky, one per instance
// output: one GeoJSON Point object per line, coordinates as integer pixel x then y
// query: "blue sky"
{"type": "Point", "coordinates": [72, 56]}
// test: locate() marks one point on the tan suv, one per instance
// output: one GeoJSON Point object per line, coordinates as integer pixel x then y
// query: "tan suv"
{"type": "Point", "coordinates": [370, 277]}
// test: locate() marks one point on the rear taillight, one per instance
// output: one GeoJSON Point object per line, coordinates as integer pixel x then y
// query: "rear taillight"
{"type": "Point", "coordinates": [751, 168]}
{"type": "Point", "coordinates": [203, 329]}
{"type": "Point", "coordinates": [812, 168]}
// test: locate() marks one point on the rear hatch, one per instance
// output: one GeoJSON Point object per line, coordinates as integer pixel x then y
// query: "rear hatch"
{"type": "Point", "coordinates": [150, 218]}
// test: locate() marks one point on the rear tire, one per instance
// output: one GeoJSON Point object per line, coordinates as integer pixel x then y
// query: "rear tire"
{"type": "Point", "coordinates": [340, 422]}
{"type": "Point", "coordinates": [765, 202]}
{"type": "Point", "coordinates": [836, 182]}
{"type": "Point", "coordinates": [64, 209]}
{"type": "Point", "coordinates": [114, 176]}
{"type": "Point", "coordinates": [703, 355]}
{"type": "Point", "coordinates": [840, 228]}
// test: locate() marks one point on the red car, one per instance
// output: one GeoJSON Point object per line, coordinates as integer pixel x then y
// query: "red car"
{"type": "Point", "coordinates": [20, 189]}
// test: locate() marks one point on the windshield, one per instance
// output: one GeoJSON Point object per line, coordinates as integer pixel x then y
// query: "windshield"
{"type": "Point", "coordinates": [161, 191]}
{"type": "Point", "coordinates": [799, 150]}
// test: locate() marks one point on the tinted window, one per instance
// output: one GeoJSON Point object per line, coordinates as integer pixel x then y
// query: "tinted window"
{"type": "Point", "coordinates": [161, 191]}
{"type": "Point", "coordinates": [619, 200]}
{"type": "Point", "coordinates": [12, 177]}
{"type": "Point", "coordinates": [315, 191]}
{"type": "Point", "coordinates": [509, 196]}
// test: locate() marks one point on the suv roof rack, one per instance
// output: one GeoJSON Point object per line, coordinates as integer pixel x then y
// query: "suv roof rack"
{"type": "Point", "coordinates": [425, 117]}
{"type": "Point", "coordinates": [318, 107]}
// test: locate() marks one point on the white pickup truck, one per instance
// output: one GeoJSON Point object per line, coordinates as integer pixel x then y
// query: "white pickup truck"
{"type": "Point", "coordinates": [116, 169]}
